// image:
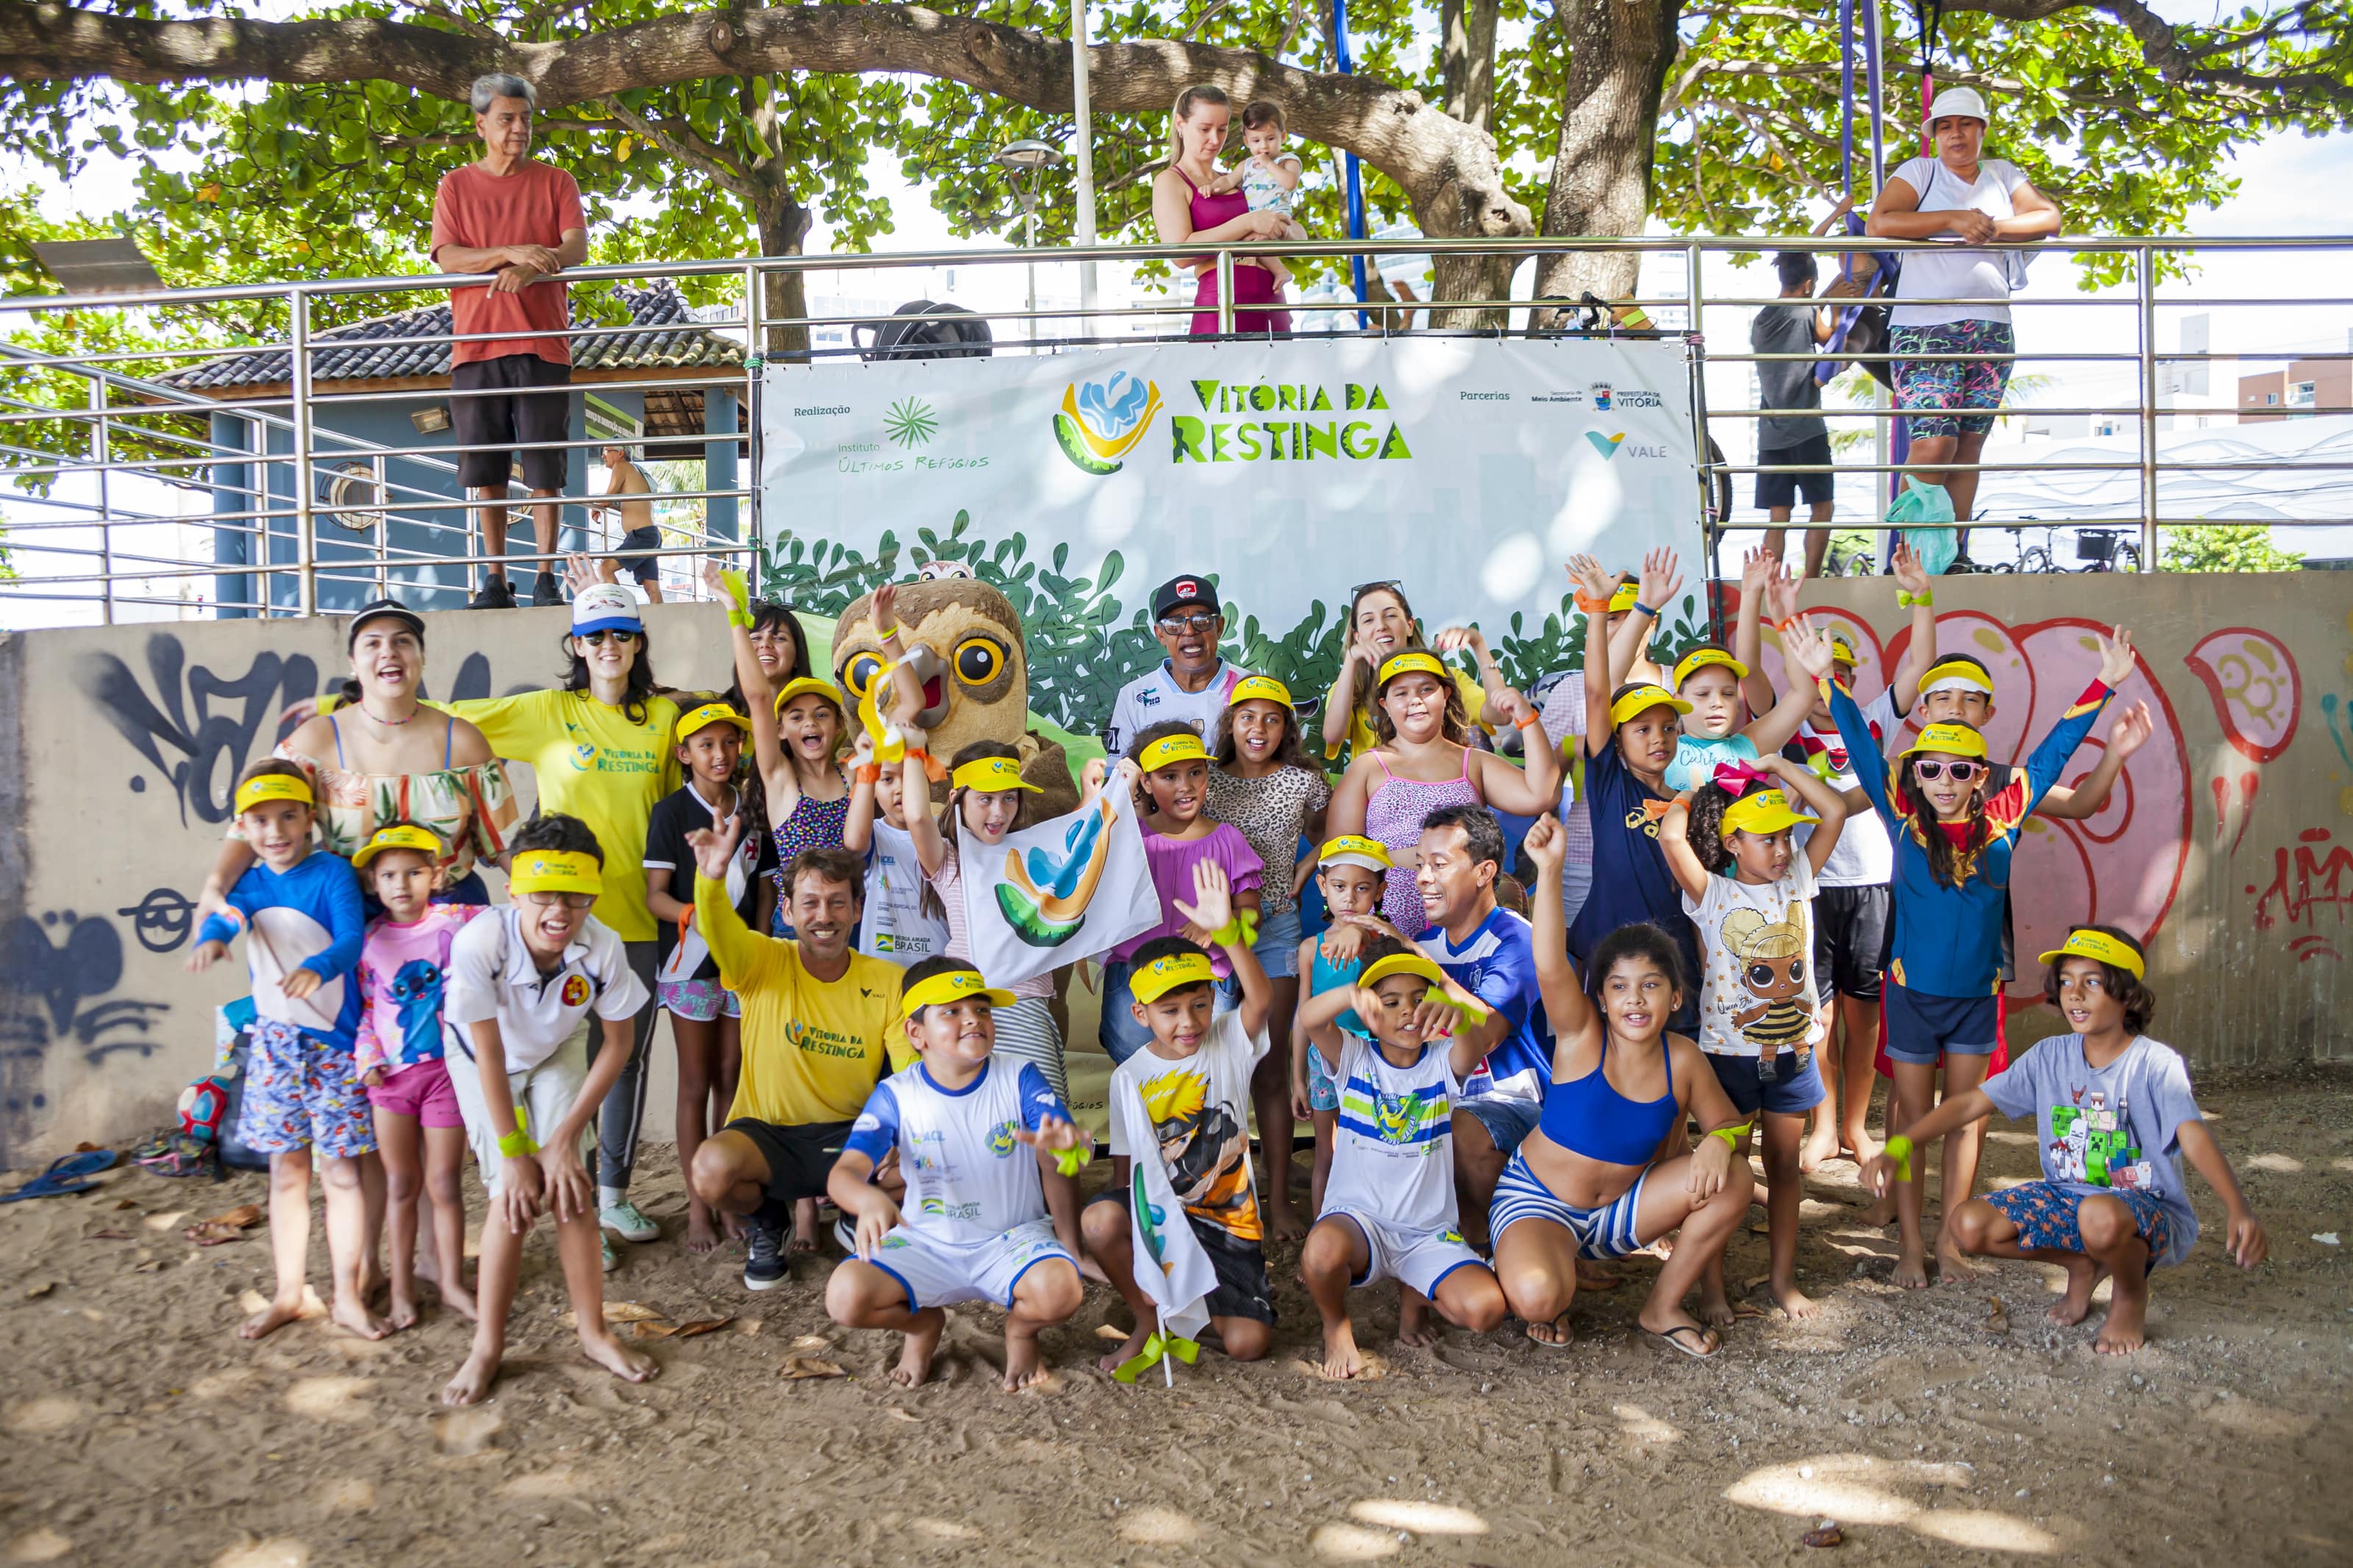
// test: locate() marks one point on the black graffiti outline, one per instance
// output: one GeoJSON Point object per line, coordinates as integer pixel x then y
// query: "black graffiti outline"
{"type": "Point", "coordinates": [164, 909]}
{"type": "Point", "coordinates": [56, 980]}
{"type": "Point", "coordinates": [269, 685]}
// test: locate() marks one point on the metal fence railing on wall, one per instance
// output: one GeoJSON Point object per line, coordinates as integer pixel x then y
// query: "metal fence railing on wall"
{"type": "Point", "coordinates": [142, 476]}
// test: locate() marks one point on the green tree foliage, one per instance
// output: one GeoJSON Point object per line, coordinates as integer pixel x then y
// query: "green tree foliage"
{"type": "Point", "coordinates": [2226, 548]}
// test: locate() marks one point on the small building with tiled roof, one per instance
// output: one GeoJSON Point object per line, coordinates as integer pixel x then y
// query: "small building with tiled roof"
{"type": "Point", "coordinates": [659, 382]}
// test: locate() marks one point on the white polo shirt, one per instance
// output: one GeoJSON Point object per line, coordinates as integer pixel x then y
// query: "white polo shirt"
{"type": "Point", "coordinates": [1154, 697]}
{"type": "Point", "coordinates": [492, 975]}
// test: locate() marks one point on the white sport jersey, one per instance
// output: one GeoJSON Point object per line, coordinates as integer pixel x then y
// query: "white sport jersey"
{"type": "Point", "coordinates": [968, 1178]}
{"type": "Point", "coordinates": [1393, 1152]}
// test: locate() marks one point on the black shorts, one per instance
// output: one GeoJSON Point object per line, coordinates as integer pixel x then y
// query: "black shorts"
{"type": "Point", "coordinates": [527, 418]}
{"type": "Point", "coordinates": [799, 1158]}
{"type": "Point", "coordinates": [1243, 1289]}
{"type": "Point", "coordinates": [1783, 489]}
{"type": "Point", "coordinates": [644, 568]}
{"type": "Point", "coordinates": [1851, 939]}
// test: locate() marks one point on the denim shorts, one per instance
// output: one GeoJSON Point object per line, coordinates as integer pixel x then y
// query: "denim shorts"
{"type": "Point", "coordinates": [1508, 1121]}
{"type": "Point", "coordinates": [1795, 1087]}
{"type": "Point", "coordinates": [1922, 1029]}
{"type": "Point", "coordinates": [1277, 947]}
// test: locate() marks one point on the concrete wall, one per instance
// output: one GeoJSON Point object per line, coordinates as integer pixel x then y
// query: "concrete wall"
{"type": "Point", "coordinates": [2231, 839]}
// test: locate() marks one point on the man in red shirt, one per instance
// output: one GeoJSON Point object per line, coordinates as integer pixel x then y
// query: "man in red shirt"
{"type": "Point", "coordinates": [505, 213]}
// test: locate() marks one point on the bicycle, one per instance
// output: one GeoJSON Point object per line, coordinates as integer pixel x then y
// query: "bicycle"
{"type": "Point", "coordinates": [2099, 550]}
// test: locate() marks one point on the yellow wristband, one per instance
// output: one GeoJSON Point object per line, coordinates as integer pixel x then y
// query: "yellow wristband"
{"type": "Point", "coordinates": [1069, 1162]}
{"type": "Point", "coordinates": [1732, 1136]}
{"type": "Point", "coordinates": [1899, 1149]}
{"type": "Point", "coordinates": [1239, 931]}
{"type": "Point", "coordinates": [517, 1144]}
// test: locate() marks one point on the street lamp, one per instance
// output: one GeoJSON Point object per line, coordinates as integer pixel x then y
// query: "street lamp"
{"type": "Point", "coordinates": [1027, 161]}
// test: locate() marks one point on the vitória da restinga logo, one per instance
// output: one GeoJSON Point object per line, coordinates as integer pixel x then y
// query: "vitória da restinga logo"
{"type": "Point", "coordinates": [1275, 422]}
{"type": "Point", "coordinates": [1101, 421]}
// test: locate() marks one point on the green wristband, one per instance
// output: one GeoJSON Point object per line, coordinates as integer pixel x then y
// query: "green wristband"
{"type": "Point", "coordinates": [1070, 1162]}
{"type": "Point", "coordinates": [1732, 1136]}
{"type": "Point", "coordinates": [1899, 1149]}
{"type": "Point", "coordinates": [517, 1144]}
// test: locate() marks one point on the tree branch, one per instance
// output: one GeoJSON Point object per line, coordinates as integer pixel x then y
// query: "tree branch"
{"type": "Point", "coordinates": [1451, 170]}
{"type": "Point", "coordinates": [686, 147]}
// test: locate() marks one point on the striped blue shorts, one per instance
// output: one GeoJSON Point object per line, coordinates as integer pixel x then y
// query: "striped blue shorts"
{"type": "Point", "coordinates": [1604, 1232]}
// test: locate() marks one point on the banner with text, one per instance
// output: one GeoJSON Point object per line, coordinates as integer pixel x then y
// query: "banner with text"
{"type": "Point", "coordinates": [1468, 470]}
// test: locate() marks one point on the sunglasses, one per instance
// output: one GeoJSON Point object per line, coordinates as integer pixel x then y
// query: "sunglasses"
{"type": "Point", "coordinates": [1196, 621]}
{"type": "Point", "coordinates": [1959, 772]}
{"type": "Point", "coordinates": [1388, 585]}
{"type": "Point", "coordinates": [613, 633]}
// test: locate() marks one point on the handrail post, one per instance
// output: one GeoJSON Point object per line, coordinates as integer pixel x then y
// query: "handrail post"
{"type": "Point", "coordinates": [2147, 315]}
{"type": "Point", "coordinates": [383, 498]}
{"type": "Point", "coordinates": [101, 453]}
{"type": "Point", "coordinates": [306, 521]}
{"type": "Point", "coordinates": [1224, 292]}
{"type": "Point", "coordinates": [1711, 528]}
{"type": "Point", "coordinates": [755, 369]}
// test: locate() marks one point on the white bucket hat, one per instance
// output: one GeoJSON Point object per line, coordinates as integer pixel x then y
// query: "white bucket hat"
{"type": "Point", "coordinates": [1962, 100]}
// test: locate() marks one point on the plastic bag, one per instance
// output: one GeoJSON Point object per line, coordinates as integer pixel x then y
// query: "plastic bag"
{"type": "Point", "coordinates": [1926, 504]}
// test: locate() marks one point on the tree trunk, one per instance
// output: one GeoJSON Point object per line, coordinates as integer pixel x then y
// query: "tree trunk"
{"type": "Point", "coordinates": [782, 223]}
{"type": "Point", "coordinates": [1621, 51]}
{"type": "Point", "coordinates": [1466, 55]}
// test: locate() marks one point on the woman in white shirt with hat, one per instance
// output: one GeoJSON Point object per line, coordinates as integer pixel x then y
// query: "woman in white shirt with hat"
{"type": "Point", "coordinates": [1958, 196]}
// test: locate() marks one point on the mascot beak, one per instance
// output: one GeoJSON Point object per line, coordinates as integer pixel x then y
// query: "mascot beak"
{"type": "Point", "coordinates": [929, 671]}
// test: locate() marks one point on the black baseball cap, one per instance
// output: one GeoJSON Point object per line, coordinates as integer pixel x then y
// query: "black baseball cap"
{"type": "Point", "coordinates": [1185, 590]}
{"type": "Point", "coordinates": [379, 610]}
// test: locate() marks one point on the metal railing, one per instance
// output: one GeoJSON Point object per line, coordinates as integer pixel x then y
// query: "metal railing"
{"type": "Point", "coordinates": [93, 445]}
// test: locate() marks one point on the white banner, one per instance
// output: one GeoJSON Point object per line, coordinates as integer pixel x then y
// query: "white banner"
{"type": "Point", "coordinates": [1073, 888]}
{"type": "Point", "coordinates": [1469, 470]}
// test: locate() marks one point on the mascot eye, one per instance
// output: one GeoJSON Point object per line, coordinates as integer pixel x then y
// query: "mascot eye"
{"type": "Point", "coordinates": [978, 660]}
{"type": "Point", "coordinates": [861, 672]}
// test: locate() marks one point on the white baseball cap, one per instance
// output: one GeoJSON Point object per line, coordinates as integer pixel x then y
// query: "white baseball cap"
{"type": "Point", "coordinates": [603, 607]}
{"type": "Point", "coordinates": [1960, 100]}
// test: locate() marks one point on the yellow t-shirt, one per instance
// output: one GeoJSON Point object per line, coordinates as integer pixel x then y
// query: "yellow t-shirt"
{"type": "Point", "coordinates": [589, 761]}
{"type": "Point", "coordinates": [812, 1052]}
{"type": "Point", "coordinates": [1361, 738]}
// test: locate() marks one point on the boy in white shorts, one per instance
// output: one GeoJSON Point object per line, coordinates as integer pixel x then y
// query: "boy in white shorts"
{"type": "Point", "coordinates": [524, 979]}
{"type": "Point", "coordinates": [1389, 1208]}
{"type": "Point", "coordinates": [981, 1220]}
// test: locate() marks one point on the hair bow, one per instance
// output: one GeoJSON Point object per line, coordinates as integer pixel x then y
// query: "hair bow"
{"type": "Point", "coordinates": [1734, 778]}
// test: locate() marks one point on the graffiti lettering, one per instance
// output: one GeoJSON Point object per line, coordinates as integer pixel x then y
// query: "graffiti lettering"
{"type": "Point", "coordinates": [161, 920]}
{"type": "Point", "coordinates": [44, 985]}
{"type": "Point", "coordinates": [2303, 884]}
{"type": "Point", "coordinates": [196, 747]}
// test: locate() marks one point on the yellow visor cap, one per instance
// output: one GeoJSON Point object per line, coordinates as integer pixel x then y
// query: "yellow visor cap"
{"type": "Point", "coordinates": [1355, 849]}
{"type": "Point", "coordinates": [992, 775]}
{"type": "Point", "coordinates": [273, 786]}
{"type": "Point", "coordinates": [398, 835]}
{"type": "Point", "coordinates": [1699, 658]}
{"type": "Point", "coordinates": [2098, 944]}
{"type": "Point", "coordinates": [1624, 597]}
{"type": "Point", "coordinates": [802, 687]}
{"type": "Point", "coordinates": [554, 872]}
{"type": "Point", "coordinates": [1946, 674]}
{"type": "Point", "coordinates": [1259, 689]}
{"type": "Point", "coordinates": [1170, 750]}
{"type": "Point", "coordinates": [1641, 700]}
{"type": "Point", "coordinates": [1161, 975]}
{"type": "Point", "coordinates": [1767, 811]}
{"type": "Point", "coordinates": [953, 987]}
{"type": "Point", "coordinates": [1960, 740]}
{"type": "Point", "coordinates": [712, 713]}
{"type": "Point", "coordinates": [1409, 662]}
{"type": "Point", "coordinates": [1421, 967]}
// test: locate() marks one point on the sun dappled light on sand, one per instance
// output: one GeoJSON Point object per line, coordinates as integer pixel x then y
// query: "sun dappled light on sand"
{"type": "Point", "coordinates": [1159, 1527]}
{"type": "Point", "coordinates": [1420, 1518]}
{"type": "Point", "coordinates": [1857, 1488]}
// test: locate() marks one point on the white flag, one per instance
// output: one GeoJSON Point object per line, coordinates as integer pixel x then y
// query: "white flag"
{"type": "Point", "coordinates": [1050, 895]}
{"type": "Point", "coordinates": [1170, 1266]}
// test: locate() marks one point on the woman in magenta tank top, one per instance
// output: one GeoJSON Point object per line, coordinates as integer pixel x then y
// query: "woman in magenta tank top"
{"type": "Point", "coordinates": [1423, 761]}
{"type": "Point", "coordinates": [1183, 211]}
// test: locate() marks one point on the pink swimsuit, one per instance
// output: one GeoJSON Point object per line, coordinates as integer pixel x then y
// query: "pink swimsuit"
{"type": "Point", "coordinates": [1394, 816]}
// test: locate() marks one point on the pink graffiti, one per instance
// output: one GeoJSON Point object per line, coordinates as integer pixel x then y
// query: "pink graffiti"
{"type": "Point", "coordinates": [2249, 783]}
{"type": "Point", "coordinates": [2123, 867]}
{"type": "Point", "coordinates": [2256, 687]}
{"type": "Point", "coordinates": [2303, 884]}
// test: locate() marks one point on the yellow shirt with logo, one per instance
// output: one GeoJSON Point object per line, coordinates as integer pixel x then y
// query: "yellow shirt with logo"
{"type": "Point", "coordinates": [1361, 738]}
{"type": "Point", "coordinates": [588, 760]}
{"type": "Point", "coordinates": [812, 1052]}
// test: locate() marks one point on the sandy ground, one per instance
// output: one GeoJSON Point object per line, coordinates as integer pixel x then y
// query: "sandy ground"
{"type": "Point", "coordinates": [1931, 1426]}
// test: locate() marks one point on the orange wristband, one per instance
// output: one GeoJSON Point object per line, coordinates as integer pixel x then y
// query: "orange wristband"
{"type": "Point", "coordinates": [1592, 606]}
{"type": "Point", "coordinates": [1532, 722]}
{"type": "Point", "coordinates": [870, 773]}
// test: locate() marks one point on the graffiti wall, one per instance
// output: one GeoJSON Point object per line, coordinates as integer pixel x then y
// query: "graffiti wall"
{"type": "Point", "coordinates": [2229, 839]}
{"type": "Point", "coordinates": [121, 746]}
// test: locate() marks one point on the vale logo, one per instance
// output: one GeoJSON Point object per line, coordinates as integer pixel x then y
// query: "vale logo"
{"type": "Point", "coordinates": [1605, 445]}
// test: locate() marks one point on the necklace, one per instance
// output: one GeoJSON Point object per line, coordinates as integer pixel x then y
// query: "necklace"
{"type": "Point", "coordinates": [390, 723]}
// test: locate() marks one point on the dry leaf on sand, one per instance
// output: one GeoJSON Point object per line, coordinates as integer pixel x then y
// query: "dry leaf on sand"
{"type": "Point", "coordinates": [1828, 1535]}
{"type": "Point", "coordinates": [621, 1312]}
{"type": "Point", "coordinates": [685, 1330]}
{"type": "Point", "coordinates": [1106, 1331]}
{"type": "Point", "coordinates": [110, 1235]}
{"type": "Point", "coordinates": [35, 1292]}
{"type": "Point", "coordinates": [212, 1232]}
{"type": "Point", "coordinates": [245, 1217]}
{"type": "Point", "coordinates": [800, 1366]}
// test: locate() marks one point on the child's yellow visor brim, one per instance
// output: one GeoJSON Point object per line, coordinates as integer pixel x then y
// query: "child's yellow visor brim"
{"type": "Point", "coordinates": [554, 872]}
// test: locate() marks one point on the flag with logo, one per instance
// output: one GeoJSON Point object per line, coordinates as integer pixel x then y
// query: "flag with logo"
{"type": "Point", "coordinates": [1073, 888]}
{"type": "Point", "coordinates": [1170, 1265]}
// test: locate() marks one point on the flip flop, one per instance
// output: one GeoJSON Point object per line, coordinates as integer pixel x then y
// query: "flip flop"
{"type": "Point", "coordinates": [1568, 1335]}
{"type": "Point", "coordinates": [63, 1175]}
{"type": "Point", "coordinates": [1670, 1339]}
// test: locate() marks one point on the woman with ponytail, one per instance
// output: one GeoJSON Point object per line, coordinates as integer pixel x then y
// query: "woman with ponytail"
{"type": "Point", "coordinates": [1183, 210]}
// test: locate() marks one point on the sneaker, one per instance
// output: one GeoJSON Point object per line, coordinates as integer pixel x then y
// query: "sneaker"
{"type": "Point", "coordinates": [495, 593]}
{"type": "Point", "coordinates": [612, 1260]}
{"type": "Point", "coordinates": [845, 1235]}
{"type": "Point", "coordinates": [543, 590]}
{"type": "Point", "coordinates": [624, 1221]}
{"type": "Point", "coordinates": [764, 1264]}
